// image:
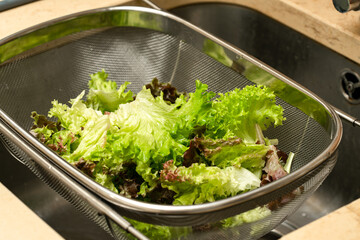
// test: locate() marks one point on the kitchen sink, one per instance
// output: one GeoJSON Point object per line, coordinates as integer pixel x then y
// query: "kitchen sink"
{"type": "Point", "coordinates": [316, 67]}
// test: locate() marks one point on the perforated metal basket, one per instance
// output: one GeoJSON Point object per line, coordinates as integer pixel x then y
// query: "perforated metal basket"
{"type": "Point", "coordinates": [53, 61]}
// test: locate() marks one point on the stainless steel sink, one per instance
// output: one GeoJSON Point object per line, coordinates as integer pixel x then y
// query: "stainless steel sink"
{"type": "Point", "coordinates": [307, 62]}
{"type": "Point", "coordinates": [286, 50]}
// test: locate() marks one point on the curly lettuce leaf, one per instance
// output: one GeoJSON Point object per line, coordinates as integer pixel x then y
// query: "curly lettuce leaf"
{"type": "Point", "coordinates": [168, 92]}
{"type": "Point", "coordinates": [73, 118]}
{"type": "Point", "coordinates": [142, 131]}
{"type": "Point", "coordinates": [228, 152]}
{"type": "Point", "coordinates": [106, 181]}
{"type": "Point", "coordinates": [196, 110]}
{"type": "Point", "coordinates": [151, 132]}
{"type": "Point", "coordinates": [147, 131]}
{"type": "Point", "coordinates": [106, 135]}
{"type": "Point", "coordinates": [274, 169]}
{"type": "Point", "coordinates": [237, 113]}
{"type": "Point", "coordinates": [41, 121]}
{"type": "Point", "coordinates": [93, 137]}
{"type": "Point", "coordinates": [103, 94]}
{"type": "Point", "coordinates": [43, 128]}
{"type": "Point", "coordinates": [200, 183]}
{"type": "Point", "coordinates": [194, 113]}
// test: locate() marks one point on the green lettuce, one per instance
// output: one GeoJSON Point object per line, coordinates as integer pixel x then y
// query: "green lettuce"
{"type": "Point", "coordinates": [147, 131]}
{"type": "Point", "coordinates": [150, 131]}
{"type": "Point", "coordinates": [106, 181]}
{"type": "Point", "coordinates": [194, 112]}
{"type": "Point", "coordinates": [74, 118]}
{"type": "Point", "coordinates": [93, 137]}
{"type": "Point", "coordinates": [200, 183]}
{"type": "Point", "coordinates": [104, 96]}
{"type": "Point", "coordinates": [153, 231]}
{"type": "Point", "coordinates": [236, 113]}
{"type": "Point", "coordinates": [229, 152]}
{"type": "Point", "coordinates": [217, 52]}
{"type": "Point", "coordinates": [141, 131]}
{"type": "Point", "coordinates": [116, 129]}
{"type": "Point", "coordinates": [252, 215]}
{"type": "Point", "coordinates": [182, 149]}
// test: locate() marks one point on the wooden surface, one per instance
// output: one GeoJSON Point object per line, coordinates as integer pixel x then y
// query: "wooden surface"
{"type": "Point", "coordinates": [343, 223]}
{"type": "Point", "coordinates": [19, 222]}
{"type": "Point", "coordinates": [16, 19]}
{"type": "Point", "coordinates": [316, 19]}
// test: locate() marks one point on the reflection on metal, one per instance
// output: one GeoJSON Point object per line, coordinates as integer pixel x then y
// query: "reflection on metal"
{"type": "Point", "coordinates": [151, 4]}
{"type": "Point", "coordinates": [62, 27]}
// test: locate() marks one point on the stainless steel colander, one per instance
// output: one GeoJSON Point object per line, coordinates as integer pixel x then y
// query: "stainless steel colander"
{"type": "Point", "coordinates": [53, 61]}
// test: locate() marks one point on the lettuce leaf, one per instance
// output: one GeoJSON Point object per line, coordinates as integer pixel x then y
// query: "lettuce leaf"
{"type": "Point", "coordinates": [252, 215]}
{"type": "Point", "coordinates": [153, 231]}
{"type": "Point", "coordinates": [104, 96]}
{"type": "Point", "coordinates": [73, 118]}
{"type": "Point", "coordinates": [147, 131]}
{"type": "Point", "coordinates": [106, 181]}
{"type": "Point", "coordinates": [167, 147]}
{"type": "Point", "coordinates": [196, 111]}
{"type": "Point", "coordinates": [43, 128]}
{"type": "Point", "coordinates": [200, 183]}
{"type": "Point", "coordinates": [141, 130]}
{"type": "Point", "coordinates": [93, 137]}
{"type": "Point", "coordinates": [168, 92]}
{"type": "Point", "coordinates": [237, 113]}
{"type": "Point", "coordinates": [228, 152]}
{"type": "Point", "coordinates": [195, 147]}
{"type": "Point", "coordinates": [150, 131]}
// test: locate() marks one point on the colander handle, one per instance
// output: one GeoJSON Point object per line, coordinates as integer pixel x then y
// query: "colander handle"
{"type": "Point", "coordinates": [153, 5]}
{"type": "Point", "coordinates": [353, 120]}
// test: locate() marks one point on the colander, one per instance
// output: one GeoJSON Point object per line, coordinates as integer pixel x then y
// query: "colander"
{"type": "Point", "coordinates": [53, 60]}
